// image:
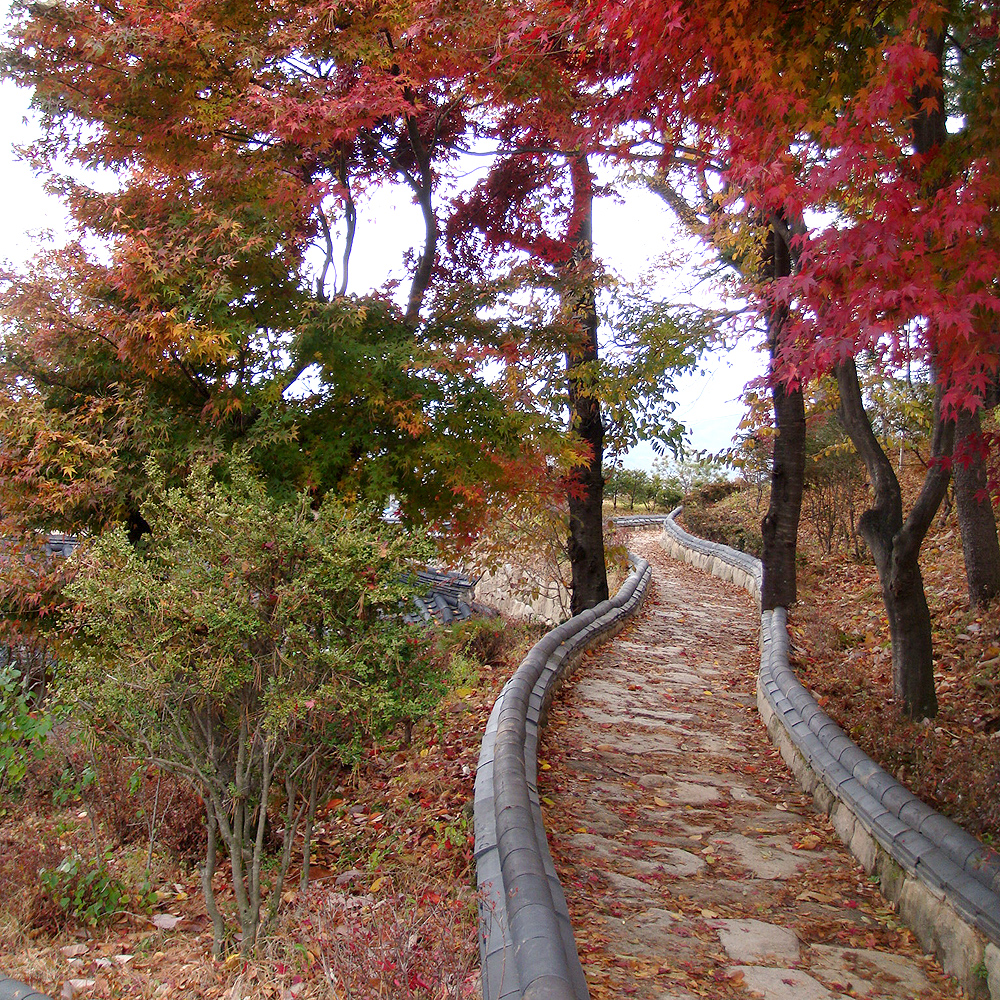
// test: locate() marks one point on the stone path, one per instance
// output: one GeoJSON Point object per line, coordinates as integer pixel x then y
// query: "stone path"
{"type": "Point", "coordinates": [692, 864]}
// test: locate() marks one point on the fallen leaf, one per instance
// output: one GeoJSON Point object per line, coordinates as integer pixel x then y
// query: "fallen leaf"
{"type": "Point", "coordinates": [73, 986]}
{"type": "Point", "coordinates": [165, 921]}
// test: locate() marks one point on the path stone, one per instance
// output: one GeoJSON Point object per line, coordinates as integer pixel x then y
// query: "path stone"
{"type": "Point", "coordinates": [863, 969]}
{"type": "Point", "coordinates": [757, 942]}
{"type": "Point", "coordinates": [781, 984]}
{"type": "Point", "coordinates": [693, 866]}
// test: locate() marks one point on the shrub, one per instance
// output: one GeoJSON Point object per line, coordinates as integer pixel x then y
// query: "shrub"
{"type": "Point", "coordinates": [391, 944]}
{"type": "Point", "coordinates": [84, 890]}
{"type": "Point", "coordinates": [24, 727]}
{"type": "Point", "coordinates": [25, 851]}
{"type": "Point", "coordinates": [247, 646]}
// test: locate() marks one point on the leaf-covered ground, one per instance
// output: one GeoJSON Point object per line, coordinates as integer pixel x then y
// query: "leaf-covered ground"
{"type": "Point", "coordinates": [842, 653]}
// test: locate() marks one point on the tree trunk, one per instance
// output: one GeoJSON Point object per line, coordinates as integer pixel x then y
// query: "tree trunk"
{"type": "Point", "coordinates": [895, 543]}
{"type": "Point", "coordinates": [780, 527]}
{"type": "Point", "coordinates": [586, 488]}
{"type": "Point", "coordinates": [975, 513]}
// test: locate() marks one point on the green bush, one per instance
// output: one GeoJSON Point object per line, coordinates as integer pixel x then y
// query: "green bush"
{"type": "Point", "coordinates": [83, 890]}
{"type": "Point", "coordinates": [248, 646]}
{"type": "Point", "coordinates": [23, 728]}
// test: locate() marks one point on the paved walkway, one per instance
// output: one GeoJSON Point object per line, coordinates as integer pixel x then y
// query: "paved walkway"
{"type": "Point", "coordinates": [693, 866]}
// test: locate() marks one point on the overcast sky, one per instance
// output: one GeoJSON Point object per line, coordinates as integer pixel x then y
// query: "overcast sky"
{"type": "Point", "coordinates": [629, 235]}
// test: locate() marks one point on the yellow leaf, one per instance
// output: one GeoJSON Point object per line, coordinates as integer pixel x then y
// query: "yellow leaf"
{"type": "Point", "coordinates": [377, 884]}
{"type": "Point", "coordinates": [662, 803]}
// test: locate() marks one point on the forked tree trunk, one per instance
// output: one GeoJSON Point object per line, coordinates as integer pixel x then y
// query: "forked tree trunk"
{"type": "Point", "coordinates": [780, 527]}
{"type": "Point", "coordinates": [975, 513]}
{"type": "Point", "coordinates": [586, 492]}
{"type": "Point", "coordinates": [895, 544]}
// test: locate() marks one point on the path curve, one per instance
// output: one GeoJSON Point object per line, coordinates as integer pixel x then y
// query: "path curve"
{"type": "Point", "coordinates": [691, 862]}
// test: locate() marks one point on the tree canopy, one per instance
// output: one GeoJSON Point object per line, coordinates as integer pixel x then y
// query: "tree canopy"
{"type": "Point", "coordinates": [206, 300]}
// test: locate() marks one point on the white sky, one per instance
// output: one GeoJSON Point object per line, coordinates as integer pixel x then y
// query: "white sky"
{"type": "Point", "coordinates": [629, 235]}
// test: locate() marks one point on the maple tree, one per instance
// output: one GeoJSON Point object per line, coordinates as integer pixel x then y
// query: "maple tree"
{"type": "Point", "coordinates": [902, 271]}
{"type": "Point", "coordinates": [528, 225]}
{"type": "Point", "coordinates": [241, 138]}
{"type": "Point", "coordinates": [787, 424]}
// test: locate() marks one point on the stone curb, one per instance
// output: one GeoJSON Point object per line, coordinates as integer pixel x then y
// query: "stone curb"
{"type": "Point", "coordinates": [11, 989]}
{"type": "Point", "coordinates": [638, 520]}
{"type": "Point", "coordinates": [526, 941]}
{"type": "Point", "coordinates": [944, 881]}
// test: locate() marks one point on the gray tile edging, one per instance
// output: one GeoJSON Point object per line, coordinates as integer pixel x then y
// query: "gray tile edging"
{"type": "Point", "coordinates": [11, 989]}
{"type": "Point", "coordinates": [526, 940]}
{"type": "Point", "coordinates": [945, 882]}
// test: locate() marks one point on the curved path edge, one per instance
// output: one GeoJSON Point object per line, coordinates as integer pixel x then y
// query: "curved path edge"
{"type": "Point", "coordinates": [11, 989]}
{"type": "Point", "coordinates": [945, 882]}
{"type": "Point", "coordinates": [526, 940]}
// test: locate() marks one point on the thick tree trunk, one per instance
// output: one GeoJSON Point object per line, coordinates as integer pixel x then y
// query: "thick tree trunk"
{"type": "Point", "coordinates": [975, 513]}
{"type": "Point", "coordinates": [895, 544]}
{"type": "Point", "coordinates": [780, 527]}
{"type": "Point", "coordinates": [586, 490]}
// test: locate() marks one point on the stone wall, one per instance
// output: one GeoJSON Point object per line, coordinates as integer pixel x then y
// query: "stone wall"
{"type": "Point", "coordinates": [514, 593]}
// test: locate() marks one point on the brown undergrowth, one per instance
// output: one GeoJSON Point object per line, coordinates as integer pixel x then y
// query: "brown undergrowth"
{"type": "Point", "coordinates": [390, 910]}
{"type": "Point", "coordinates": [842, 652]}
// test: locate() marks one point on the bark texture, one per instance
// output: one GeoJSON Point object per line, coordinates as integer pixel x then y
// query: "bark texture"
{"type": "Point", "coordinates": [780, 527]}
{"type": "Point", "coordinates": [895, 543]}
{"type": "Point", "coordinates": [586, 489]}
{"type": "Point", "coordinates": [976, 519]}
